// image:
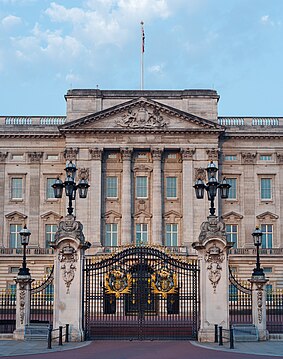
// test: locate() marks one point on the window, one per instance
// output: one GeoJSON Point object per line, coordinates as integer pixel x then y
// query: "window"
{"type": "Point", "coordinates": [171, 235]}
{"type": "Point", "coordinates": [267, 269]}
{"type": "Point", "coordinates": [50, 230]}
{"type": "Point", "coordinates": [141, 234]}
{"type": "Point", "coordinates": [265, 188]}
{"type": "Point", "coordinates": [232, 234]}
{"type": "Point", "coordinates": [14, 270]}
{"type": "Point", "coordinates": [16, 188]}
{"type": "Point", "coordinates": [267, 235]}
{"type": "Point", "coordinates": [15, 239]}
{"type": "Point", "coordinates": [233, 189]}
{"type": "Point", "coordinates": [230, 158]}
{"type": "Point", "coordinates": [265, 157]}
{"type": "Point", "coordinates": [111, 187]}
{"type": "Point", "coordinates": [49, 188]}
{"type": "Point", "coordinates": [171, 187]}
{"type": "Point", "coordinates": [111, 235]}
{"type": "Point", "coordinates": [141, 187]}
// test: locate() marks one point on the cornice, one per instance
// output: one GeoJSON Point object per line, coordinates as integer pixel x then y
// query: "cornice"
{"type": "Point", "coordinates": [140, 131]}
{"type": "Point", "coordinates": [31, 135]}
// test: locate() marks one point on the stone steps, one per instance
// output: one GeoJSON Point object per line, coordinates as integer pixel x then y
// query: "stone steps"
{"type": "Point", "coordinates": [245, 333]}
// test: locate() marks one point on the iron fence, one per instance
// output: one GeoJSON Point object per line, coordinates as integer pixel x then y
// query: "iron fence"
{"type": "Point", "coordinates": [274, 312]}
{"type": "Point", "coordinates": [7, 311]}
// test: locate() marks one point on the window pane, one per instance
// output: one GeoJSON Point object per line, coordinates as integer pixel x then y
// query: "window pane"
{"type": "Point", "coordinates": [17, 188]}
{"type": "Point", "coordinates": [232, 234]}
{"type": "Point", "coordinates": [15, 239]}
{"type": "Point", "coordinates": [49, 188]}
{"type": "Point", "coordinates": [233, 189]}
{"type": "Point", "coordinates": [267, 235]}
{"type": "Point", "coordinates": [111, 235]}
{"type": "Point", "coordinates": [265, 188]}
{"type": "Point", "coordinates": [111, 186]}
{"type": "Point", "coordinates": [171, 238]}
{"type": "Point", "coordinates": [141, 234]}
{"type": "Point", "coordinates": [50, 230]}
{"type": "Point", "coordinates": [171, 187]}
{"type": "Point", "coordinates": [141, 187]}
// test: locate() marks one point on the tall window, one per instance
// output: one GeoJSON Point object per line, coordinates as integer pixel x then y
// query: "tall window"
{"type": "Point", "coordinates": [15, 239]}
{"type": "Point", "coordinates": [111, 186]}
{"type": "Point", "coordinates": [141, 187]}
{"type": "Point", "coordinates": [267, 235]}
{"type": "Point", "coordinates": [111, 235]}
{"type": "Point", "coordinates": [171, 187]}
{"type": "Point", "coordinates": [141, 234]}
{"type": "Point", "coordinates": [232, 234]}
{"type": "Point", "coordinates": [171, 235]}
{"type": "Point", "coordinates": [16, 188]}
{"type": "Point", "coordinates": [49, 189]}
{"type": "Point", "coordinates": [50, 230]}
{"type": "Point", "coordinates": [265, 188]}
{"type": "Point", "coordinates": [233, 189]}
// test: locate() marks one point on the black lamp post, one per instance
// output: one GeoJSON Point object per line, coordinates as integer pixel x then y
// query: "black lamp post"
{"type": "Point", "coordinates": [70, 186]}
{"type": "Point", "coordinates": [257, 236]}
{"type": "Point", "coordinates": [211, 187]}
{"type": "Point", "coordinates": [24, 234]}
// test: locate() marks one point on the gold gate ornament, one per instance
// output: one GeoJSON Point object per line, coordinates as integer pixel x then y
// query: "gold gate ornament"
{"type": "Point", "coordinates": [118, 282]}
{"type": "Point", "coordinates": [164, 282]}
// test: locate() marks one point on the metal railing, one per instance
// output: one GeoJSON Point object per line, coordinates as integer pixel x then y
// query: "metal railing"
{"type": "Point", "coordinates": [274, 312]}
{"type": "Point", "coordinates": [7, 311]}
{"type": "Point", "coordinates": [220, 334]}
{"type": "Point", "coordinates": [60, 336]}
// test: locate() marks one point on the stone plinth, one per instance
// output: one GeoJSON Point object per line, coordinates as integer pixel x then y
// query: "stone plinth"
{"type": "Point", "coordinates": [212, 250]}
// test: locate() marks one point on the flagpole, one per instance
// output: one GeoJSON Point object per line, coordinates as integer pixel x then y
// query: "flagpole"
{"type": "Point", "coordinates": [142, 55]}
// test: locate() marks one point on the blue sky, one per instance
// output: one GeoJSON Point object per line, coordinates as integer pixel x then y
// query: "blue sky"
{"type": "Point", "coordinates": [232, 46]}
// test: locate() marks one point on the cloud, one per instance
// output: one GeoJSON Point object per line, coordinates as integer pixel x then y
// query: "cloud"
{"type": "Point", "coordinates": [266, 20]}
{"type": "Point", "coordinates": [156, 69]}
{"type": "Point", "coordinates": [11, 21]}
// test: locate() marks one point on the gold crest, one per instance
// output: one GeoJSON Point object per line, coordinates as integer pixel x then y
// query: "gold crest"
{"type": "Point", "coordinates": [118, 282]}
{"type": "Point", "coordinates": [164, 282]}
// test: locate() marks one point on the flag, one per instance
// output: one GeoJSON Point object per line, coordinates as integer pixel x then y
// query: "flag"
{"type": "Point", "coordinates": [143, 36]}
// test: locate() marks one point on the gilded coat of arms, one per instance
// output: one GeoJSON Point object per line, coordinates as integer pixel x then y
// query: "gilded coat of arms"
{"type": "Point", "coordinates": [118, 282]}
{"type": "Point", "coordinates": [164, 282]}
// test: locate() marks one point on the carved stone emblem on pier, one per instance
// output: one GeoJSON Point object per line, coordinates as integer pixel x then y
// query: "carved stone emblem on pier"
{"type": "Point", "coordinates": [68, 258]}
{"type": "Point", "coordinates": [212, 228]}
{"type": "Point", "coordinates": [214, 257]}
{"type": "Point", "coordinates": [69, 227]}
{"type": "Point", "coordinates": [142, 118]}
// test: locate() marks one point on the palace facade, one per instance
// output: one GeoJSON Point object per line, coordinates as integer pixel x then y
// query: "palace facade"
{"type": "Point", "coordinates": [141, 152]}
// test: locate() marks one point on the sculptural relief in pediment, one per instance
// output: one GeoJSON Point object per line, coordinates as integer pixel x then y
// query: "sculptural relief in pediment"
{"type": "Point", "coordinates": [142, 118]}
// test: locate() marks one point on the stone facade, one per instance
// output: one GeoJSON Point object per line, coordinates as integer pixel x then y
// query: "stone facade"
{"type": "Point", "coordinates": [141, 152]}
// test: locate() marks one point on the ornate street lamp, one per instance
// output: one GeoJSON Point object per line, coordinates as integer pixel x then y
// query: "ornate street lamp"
{"type": "Point", "coordinates": [257, 236]}
{"type": "Point", "coordinates": [211, 187]}
{"type": "Point", "coordinates": [70, 186]}
{"type": "Point", "coordinates": [24, 234]}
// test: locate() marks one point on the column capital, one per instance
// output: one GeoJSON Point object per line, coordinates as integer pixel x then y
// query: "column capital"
{"type": "Point", "coordinates": [70, 154]}
{"type": "Point", "coordinates": [156, 153]}
{"type": "Point", "coordinates": [96, 153]}
{"type": "Point", "coordinates": [212, 154]}
{"type": "Point", "coordinates": [126, 153]}
{"type": "Point", "coordinates": [187, 153]}
{"type": "Point", "coordinates": [3, 156]}
{"type": "Point", "coordinates": [35, 156]}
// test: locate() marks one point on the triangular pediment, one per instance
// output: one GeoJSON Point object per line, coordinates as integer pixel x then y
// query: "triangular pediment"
{"type": "Point", "coordinates": [140, 114]}
{"type": "Point", "coordinates": [269, 216]}
{"type": "Point", "coordinates": [172, 215]}
{"type": "Point", "coordinates": [15, 216]}
{"type": "Point", "coordinates": [231, 216]}
{"type": "Point", "coordinates": [51, 216]}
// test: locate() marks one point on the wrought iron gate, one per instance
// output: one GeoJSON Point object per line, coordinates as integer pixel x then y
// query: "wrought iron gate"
{"type": "Point", "coordinates": [141, 293]}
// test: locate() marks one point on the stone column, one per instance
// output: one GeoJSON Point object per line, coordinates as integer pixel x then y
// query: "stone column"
{"type": "Point", "coordinates": [188, 195]}
{"type": "Point", "coordinates": [156, 197]}
{"type": "Point", "coordinates": [3, 156]}
{"type": "Point", "coordinates": [22, 305]}
{"type": "Point", "coordinates": [212, 250]}
{"type": "Point", "coordinates": [95, 196]}
{"type": "Point", "coordinates": [126, 222]}
{"type": "Point", "coordinates": [69, 248]}
{"type": "Point", "coordinates": [259, 305]}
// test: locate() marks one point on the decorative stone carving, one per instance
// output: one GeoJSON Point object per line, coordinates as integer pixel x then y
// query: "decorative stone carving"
{"type": "Point", "coordinates": [214, 257]}
{"type": "Point", "coordinates": [22, 301]}
{"type": "Point", "coordinates": [156, 153]}
{"type": "Point", "coordinates": [188, 153]}
{"type": "Point", "coordinates": [212, 154]}
{"type": "Point", "coordinates": [83, 173]}
{"type": "Point", "coordinates": [259, 305]}
{"type": "Point", "coordinates": [70, 154]}
{"type": "Point", "coordinates": [213, 227]}
{"type": "Point", "coordinates": [69, 227]}
{"type": "Point", "coordinates": [126, 153]}
{"type": "Point", "coordinates": [3, 156]}
{"type": "Point", "coordinates": [142, 118]}
{"type": "Point", "coordinates": [200, 173]}
{"type": "Point", "coordinates": [96, 153]}
{"type": "Point", "coordinates": [280, 157]}
{"type": "Point", "coordinates": [15, 216]}
{"type": "Point", "coordinates": [35, 156]}
{"type": "Point", "coordinates": [68, 257]}
{"type": "Point", "coordinates": [248, 157]}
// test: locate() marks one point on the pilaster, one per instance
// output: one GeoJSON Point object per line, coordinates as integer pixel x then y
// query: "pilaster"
{"type": "Point", "coordinates": [156, 197]}
{"type": "Point", "coordinates": [126, 222]}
